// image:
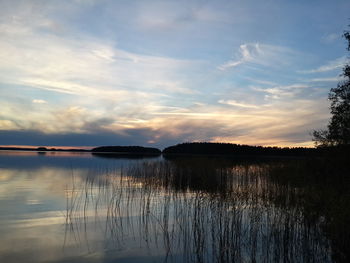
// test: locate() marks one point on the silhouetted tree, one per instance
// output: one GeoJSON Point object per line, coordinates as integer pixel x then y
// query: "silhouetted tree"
{"type": "Point", "coordinates": [338, 130]}
{"type": "Point", "coordinates": [41, 149]}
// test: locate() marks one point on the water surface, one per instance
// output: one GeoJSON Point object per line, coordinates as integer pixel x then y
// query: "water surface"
{"type": "Point", "coordinates": [76, 207]}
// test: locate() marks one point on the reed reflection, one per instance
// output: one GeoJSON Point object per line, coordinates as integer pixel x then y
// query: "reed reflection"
{"type": "Point", "coordinates": [198, 210]}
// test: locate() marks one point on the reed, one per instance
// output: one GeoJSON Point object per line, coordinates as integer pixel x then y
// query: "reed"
{"type": "Point", "coordinates": [209, 210]}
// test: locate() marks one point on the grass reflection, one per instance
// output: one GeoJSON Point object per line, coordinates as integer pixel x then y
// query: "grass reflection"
{"type": "Point", "coordinates": [207, 210]}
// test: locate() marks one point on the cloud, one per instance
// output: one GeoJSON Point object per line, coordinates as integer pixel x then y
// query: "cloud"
{"type": "Point", "coordinates": [282, 91]}
{"type": "Point", "coordinates": [238, 104]}
{"type": "Point", "coordinates": [34, 137]}
{"type": "Point", "coordinates": [39, 101]}
{"type": "Point", "coordinates": [269, 125]}
{"type": "Point", "coordinates": [92, 82]}
{"type": "Point", "coordinates": [86, 66]}
{"type": "Point", "coordinates": [261, 54]}
{"type": "Point", "coordinates": [287, 129]}
{"type": "Point", "coordinates": [114, 79]}
{"type": "Point", "coordinates": [329, 66]}
{"type": "Point", "coordinates": [246, 53]}
{"type": "Point", "coordinates": [331, 79]}
{"type": "Point", "coordinates": [262, 82]}
{"type": "Point", "coordinates": [8, 125]}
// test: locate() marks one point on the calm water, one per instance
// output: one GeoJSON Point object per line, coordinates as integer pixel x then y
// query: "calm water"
{"type": "Point", "coordinates": [76, 207]}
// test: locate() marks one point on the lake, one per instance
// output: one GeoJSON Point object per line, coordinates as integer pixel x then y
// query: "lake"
{"type": "Point", "coordinates": [79, 207]}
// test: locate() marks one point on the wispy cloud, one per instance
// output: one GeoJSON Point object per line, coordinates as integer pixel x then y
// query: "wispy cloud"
{"type": "Point", "coordinates": [261, 81]}
{"type": "Point", "coordinates": [86, 66]}
{"type": "Point", "coordinates": [261, 54]}
{"type": "Point", "coordinates": [246, 53]}
{"type": "Point", "coordinates": [331, 79]}
{"type": "Point", "coordinates": [282, 91]}
{"type": "Point", "coordinates": [238, 104]}
{"type": "Point", "coordinates": [329, 66]}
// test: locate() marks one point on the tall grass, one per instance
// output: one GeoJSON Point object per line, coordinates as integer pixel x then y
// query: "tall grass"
{"type": "Point", "coordinates": [204, 210]}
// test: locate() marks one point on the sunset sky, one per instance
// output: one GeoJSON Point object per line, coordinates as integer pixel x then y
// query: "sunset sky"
{"type": "Point", "coordinates": [156, 73]}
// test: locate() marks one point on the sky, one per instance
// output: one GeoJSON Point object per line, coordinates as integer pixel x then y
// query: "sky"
{"type": "Point", "coordinates": [157, 73]}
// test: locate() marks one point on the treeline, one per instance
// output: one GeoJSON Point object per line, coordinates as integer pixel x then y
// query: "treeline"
{"type": "Point", "coordinates": [207, 148]}
{"type": "Point", "coordinates": [126, 149]}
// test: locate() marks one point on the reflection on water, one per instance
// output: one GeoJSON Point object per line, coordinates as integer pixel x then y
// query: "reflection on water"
{"type": "Point", "coordinates": [33, 199]}
{"type": "Point", "coordinates": [162, 206]}
{"type": "Point", "coordinates": [74, 207]}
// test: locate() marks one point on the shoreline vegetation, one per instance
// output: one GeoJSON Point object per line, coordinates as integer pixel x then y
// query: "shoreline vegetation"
{"type": "Point", "coordinates": [197, 148]}
{"type": "Point", "coordinates": [223, 209]}
{"type": "Point", "coordinates": [125, 151]}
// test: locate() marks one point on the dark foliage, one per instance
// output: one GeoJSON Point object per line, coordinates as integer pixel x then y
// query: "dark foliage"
{"type": "Point", "coordinates": [323, 191]}
{"type": "Point", "coordinates": [126, 156]}
{"type": "Point", "coordinates": [338, 130]}
{"type": "Point", "coordinates": [126, 149]}
{"type": "Point", "coordinates": [235, 149]}
{"type": "Point", "coordinates": [311, 192]}
{"type": "Point", "coordinates": [41, 149]}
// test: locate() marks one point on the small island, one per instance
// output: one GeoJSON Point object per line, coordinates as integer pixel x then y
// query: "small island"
{"type": "Point", "coordinates": [122, 150]}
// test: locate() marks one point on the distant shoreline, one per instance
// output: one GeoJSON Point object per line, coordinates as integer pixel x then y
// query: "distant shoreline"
{"type": "Point", "coordinates": [41, 150]}
{"type": "Point", "coordinates": [194, 149]}
{"type": "Point", "coordinates": [105, 150]}
{"type": "Point", "coordinates": [183, 149]}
